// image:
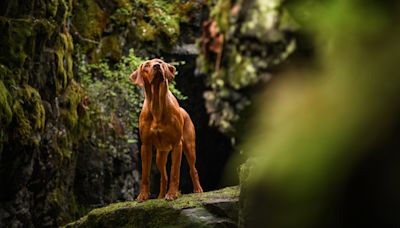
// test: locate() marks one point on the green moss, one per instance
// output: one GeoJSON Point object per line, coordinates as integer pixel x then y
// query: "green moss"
{"type": "Point", "coordinates": [52, 7]}
{"type": "Point", "coordinates": [242, 71]}
{"type": "Point", "coordinates": [14, 35]}
{"type": "Point", "coordinates": [29, 115]}
{"type": "Point", "coordinates": [18, 36]}
{"type": "Point", "coordinates": [122, 16]}
{"type": "Point", "coordinates": [55, 198]}
{"type": "Point", "coordinates": [166, 22]}
{"type": "Point", "coordinates": [84, 125]}
{"type": "Point", "coordinates": [63, 147]}
{"type": "Point", "coordinates": [158, 18]}
{"type": "Point", "coordinates": [63, 10]}
{"type": "Point", "coordinates": [69, 103]}
{"type": "Point", "coordinates": [22, 129]}
{"type": "Point", "coordinates": [221, 13]}
{"type": "Point", "coordinates": [63, 49]}
{"type": "Point", "coordinates": [76, 120]}
{"type": "Point", "coordinates": [89, 19]}
{"type": "Point", "coordinates": [69, 49]}
{"type": "Point", "coordinates": [5, 106]}
{"type": "Point", "coordinates": [167, 18]}
{"type": "Point", "coordinates": [7, 76]}
{"type": "Point", "coordinates": [261, 22]}
{"type": "Point", "coordinates": [34, 107]}
{"type": "Point", "coordinates": [5, 114]}
{"type": "Point", "coordinates": [145, 31]}
{"type": "Point", "coordinates": [153, 213]}
{"type": "Point", "coordinates": [61, 77]}
{"type": "Point", "coordinates": [110, 46]}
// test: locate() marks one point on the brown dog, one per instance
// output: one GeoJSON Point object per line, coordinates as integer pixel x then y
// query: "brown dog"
{"type": "Point", "coordinates": [165, 125]}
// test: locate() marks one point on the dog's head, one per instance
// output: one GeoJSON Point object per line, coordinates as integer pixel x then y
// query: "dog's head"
{"type": "Point", "coordinates": [153, 71]}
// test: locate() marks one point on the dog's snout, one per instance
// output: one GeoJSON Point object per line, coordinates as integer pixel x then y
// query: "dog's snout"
{"type": "Point", "coordinates": [157, 66]}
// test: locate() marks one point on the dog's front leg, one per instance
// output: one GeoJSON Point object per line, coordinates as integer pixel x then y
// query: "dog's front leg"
{"type": "Point", "coordinates": [146, 167]}
{"type": "Point", "coordinates": [176, 156]}
{"type": "Point", "coordinates": [161, 159]}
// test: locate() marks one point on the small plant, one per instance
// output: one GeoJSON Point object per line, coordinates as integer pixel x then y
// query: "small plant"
{"type": "Point", "coordinates": [109, 85]}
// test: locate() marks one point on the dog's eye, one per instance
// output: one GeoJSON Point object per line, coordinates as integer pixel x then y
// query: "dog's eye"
{"type": "Point", "coordinates": [147, 65]}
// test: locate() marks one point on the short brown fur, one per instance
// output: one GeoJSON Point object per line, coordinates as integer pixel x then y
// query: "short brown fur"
{"type": "Point", "coordinates": [166, 126]}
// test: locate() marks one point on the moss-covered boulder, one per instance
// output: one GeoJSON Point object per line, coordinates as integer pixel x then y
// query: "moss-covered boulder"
{"type": "Point", "coordinates": [210, 209]}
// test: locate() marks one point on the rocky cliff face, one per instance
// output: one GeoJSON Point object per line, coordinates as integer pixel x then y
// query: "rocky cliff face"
{"type": "Point", "coordinates": [41, 122]}
{"type": "Point", "coordinates": [60, 152]}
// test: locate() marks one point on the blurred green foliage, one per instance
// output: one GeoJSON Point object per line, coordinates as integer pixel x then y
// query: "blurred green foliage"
{"type": "Point", "coordinates": [324, 119]}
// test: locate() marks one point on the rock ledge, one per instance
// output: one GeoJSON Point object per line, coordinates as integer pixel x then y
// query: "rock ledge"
{"type": "Point", "coordinates": [209, 209]}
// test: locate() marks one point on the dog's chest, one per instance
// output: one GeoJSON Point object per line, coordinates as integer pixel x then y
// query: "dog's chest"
{"type": "Point", "coordinates": [157, 130]}
{"type": "Point", "coordinates": [163, 136]}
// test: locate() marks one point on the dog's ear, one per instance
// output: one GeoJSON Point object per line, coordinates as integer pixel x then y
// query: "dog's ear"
{"type": "Point", "coordinates": [136, 78]}
{"type": "Point", "coordinates": [170, 72]}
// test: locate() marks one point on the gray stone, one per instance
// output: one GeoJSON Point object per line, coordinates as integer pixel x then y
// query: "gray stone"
{"type": "Point", "coordinates": [210, 209]}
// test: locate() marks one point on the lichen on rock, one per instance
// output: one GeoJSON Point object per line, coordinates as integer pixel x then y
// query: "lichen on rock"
{"type": "Point", "coordinates": [209, 209]}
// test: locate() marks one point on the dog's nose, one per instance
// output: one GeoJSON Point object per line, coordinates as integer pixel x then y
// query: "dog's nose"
{"type": "Point", "coordinates": [157, 66]}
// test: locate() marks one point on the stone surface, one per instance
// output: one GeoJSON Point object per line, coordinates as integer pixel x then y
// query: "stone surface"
{"type": "Point", "coordinates": [210, 209]}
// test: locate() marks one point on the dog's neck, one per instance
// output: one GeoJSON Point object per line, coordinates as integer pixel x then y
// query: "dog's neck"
{"type": "Point", "coordinates": [157, 96]}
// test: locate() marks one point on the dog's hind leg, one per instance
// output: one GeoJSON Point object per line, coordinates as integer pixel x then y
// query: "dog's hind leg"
{"type": "Point", "coordinates": [189, 148]}
{"type": "Point", "coordinates": [190, 154]}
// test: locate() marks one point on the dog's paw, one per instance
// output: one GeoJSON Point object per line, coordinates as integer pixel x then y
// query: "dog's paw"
{"type": "Point", "coordinates": [161, 196]}
{"type": "Point", "coordinates": [198, 190]}
{"type": "Point", "coordinates": [143, 196]}
{"type": "Point", "coordinates": [172, 195]}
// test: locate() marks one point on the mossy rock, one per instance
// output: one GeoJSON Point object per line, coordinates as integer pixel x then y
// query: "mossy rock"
{"type": "Point", "coordinates": [63, 50]}
{"type": "Point", "coordinates": [89, 19]}
{"type": "Point", "coordinates": [5, 113]}
{"type": "Point", "coordinates": [5, 106]}
{"type": "Point", "coordinates": [110, 47]}
{"type": "Point", "coordinates": [19, 37]}
{"type": "Point", "coordinates": [69, 104]}
{"type": "Point", "coordinates": [28, 116]}
{"type": "Point", "coordinates": [210, 209]}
